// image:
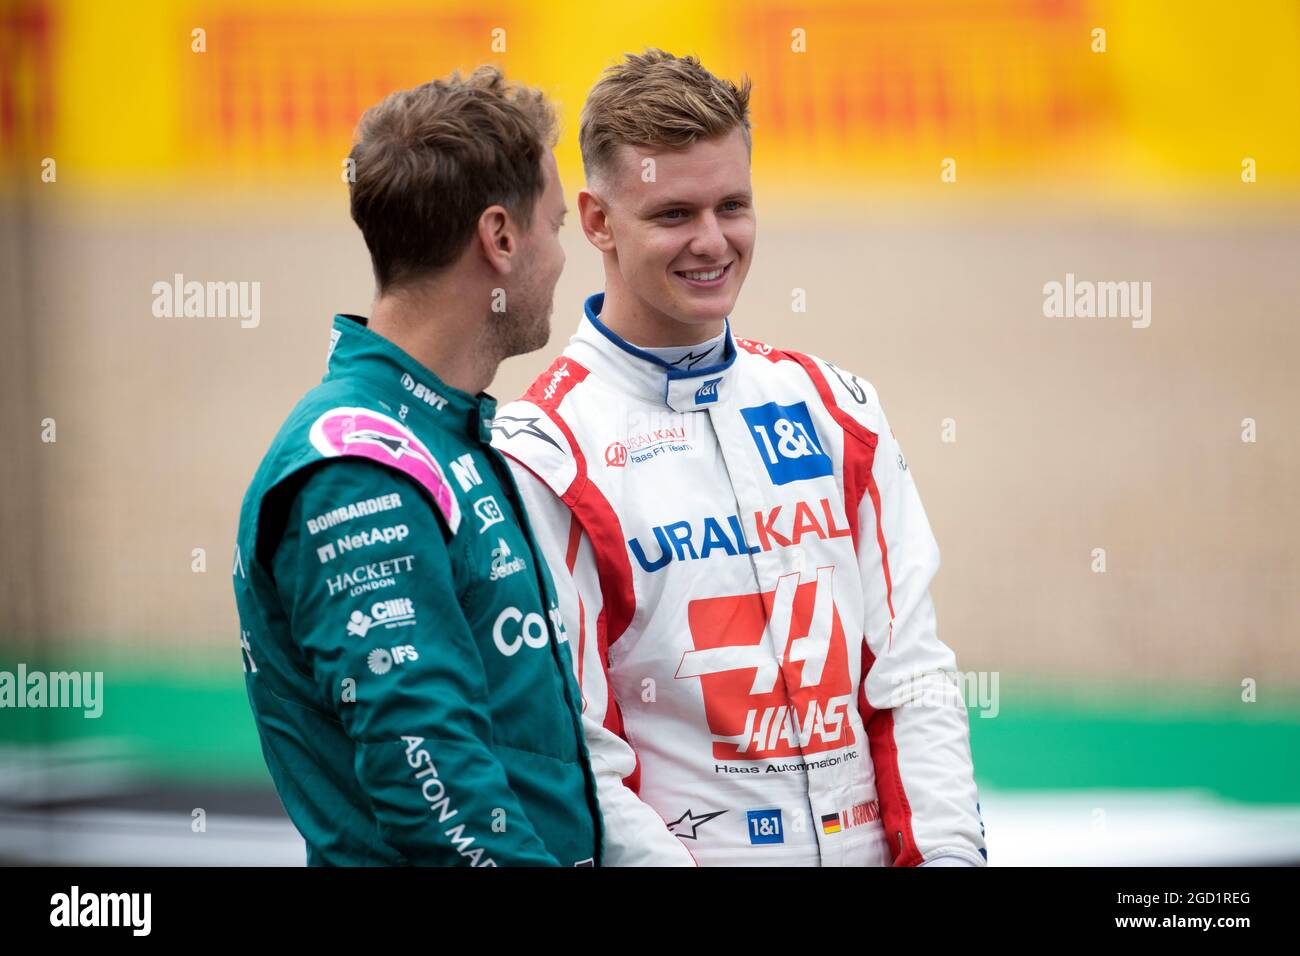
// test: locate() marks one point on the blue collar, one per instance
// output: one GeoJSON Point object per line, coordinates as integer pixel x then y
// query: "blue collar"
{"type": "Point", "coordinates": [596, 302]}
{"type": "Point", "coordinates": [683, 389]}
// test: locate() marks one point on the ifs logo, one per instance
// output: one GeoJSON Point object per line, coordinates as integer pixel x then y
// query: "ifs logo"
{"type": "Point", "coordinates": [761, 705]}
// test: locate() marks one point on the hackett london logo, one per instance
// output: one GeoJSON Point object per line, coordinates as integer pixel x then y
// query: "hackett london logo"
{"type": "Point", "coordinates": [760, 705]}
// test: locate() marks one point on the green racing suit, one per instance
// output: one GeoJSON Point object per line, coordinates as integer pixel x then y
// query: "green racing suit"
{"type": "Point", "coordinates": [404, 657]}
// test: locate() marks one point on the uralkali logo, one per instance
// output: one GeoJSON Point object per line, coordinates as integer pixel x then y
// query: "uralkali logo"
{"type": "Point", "coordinates": [642, 446]}
{"type": "Point", "coordinates": [761, 705]}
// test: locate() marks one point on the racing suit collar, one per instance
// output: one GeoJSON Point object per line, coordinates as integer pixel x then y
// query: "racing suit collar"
{"type": "Point", "coordinates": [637, 371]}
{"type": "Point", "coordinates": [356, 351]}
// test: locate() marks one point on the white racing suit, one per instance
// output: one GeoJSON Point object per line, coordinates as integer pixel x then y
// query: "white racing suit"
{"type": "Point", "coordinates": [743, 565]}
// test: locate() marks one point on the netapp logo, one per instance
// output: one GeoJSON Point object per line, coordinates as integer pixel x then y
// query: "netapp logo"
{"type": "Point", "coordinates": [103, 909]}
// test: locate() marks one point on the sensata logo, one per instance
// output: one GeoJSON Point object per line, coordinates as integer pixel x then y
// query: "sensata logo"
{"type": "Point", "coordinates": [779, 527]}
{"type": "Point", "coordinates": [760, 704]}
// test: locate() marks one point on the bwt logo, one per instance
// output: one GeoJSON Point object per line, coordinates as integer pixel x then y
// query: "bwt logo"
{"type": "Point", "coordinates": [616, 455]}
{"type": "Point", "coordinates": [423, 392]}
{"type": "Point", "coordinates": [760, 704]}
{"type": "Point", "coordinates": [707, 393]}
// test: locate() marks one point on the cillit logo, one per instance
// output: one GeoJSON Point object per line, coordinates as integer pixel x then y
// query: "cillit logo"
{"type": "Point", "coordinates": [395, 612]}
{"type": "Point", "coordinates": [707, 393]}
{"type": "Point", "coordinates": [761, 704]}
{"type": "Point", "coordinates": [787, 442]}
{"type": "Point", "coordinates": [616, 455]}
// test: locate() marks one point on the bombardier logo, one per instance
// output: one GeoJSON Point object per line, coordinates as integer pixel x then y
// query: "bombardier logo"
{"type": "Point", "coordinates": [761, 704]}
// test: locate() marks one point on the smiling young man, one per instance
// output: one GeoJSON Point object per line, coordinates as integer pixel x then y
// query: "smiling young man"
{"type": "Point", "coordinates": [738, 545]}
{"type": "Point", "coordinates": [409, 674]}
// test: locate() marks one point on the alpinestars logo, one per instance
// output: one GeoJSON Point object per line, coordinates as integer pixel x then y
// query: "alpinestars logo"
{"type": "Point", "coordinates": [760, 705]}
{"type": "Point", "coordinates": [689, 822]}
{"type": "Point", "coordinates": [509, 426]}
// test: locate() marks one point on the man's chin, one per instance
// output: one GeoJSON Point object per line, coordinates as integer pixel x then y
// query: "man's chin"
{"type": "Point", "coordinates": [704, 312]}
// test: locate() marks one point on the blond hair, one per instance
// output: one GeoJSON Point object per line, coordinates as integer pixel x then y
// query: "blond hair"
{"type": "Point", "coordinates": [656, 99]}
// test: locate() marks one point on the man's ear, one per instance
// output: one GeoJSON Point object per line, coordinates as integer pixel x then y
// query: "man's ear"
{"type": "Point", "coordinates": [498, 238]}
{"type": "Point", "coordinates": [595, 220]}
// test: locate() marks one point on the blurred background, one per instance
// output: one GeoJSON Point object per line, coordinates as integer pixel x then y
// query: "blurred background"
{"type": "Point", "coordinates": [1115, 504]}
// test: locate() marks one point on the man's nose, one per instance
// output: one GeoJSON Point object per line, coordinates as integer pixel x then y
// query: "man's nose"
{"type": "Point", "coordinates": [708, 241]}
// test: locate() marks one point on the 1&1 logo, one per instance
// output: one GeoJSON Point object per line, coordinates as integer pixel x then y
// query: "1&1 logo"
{"type": "Point", "coordinates": [787, 442]}
{"type": "Point", "coordinates": [707, 393]}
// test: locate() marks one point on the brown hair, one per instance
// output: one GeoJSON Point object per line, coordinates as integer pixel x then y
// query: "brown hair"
{"type": "Point", "coordinates": [657, 99]}
{"type": "Point", "coordinates": [427, 161]}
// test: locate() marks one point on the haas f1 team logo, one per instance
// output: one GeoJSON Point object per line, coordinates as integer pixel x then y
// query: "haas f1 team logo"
{"type": "Point", "coordinates": [779, 698]}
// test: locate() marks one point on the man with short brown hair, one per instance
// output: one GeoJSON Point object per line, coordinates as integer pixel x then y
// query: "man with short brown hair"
{"type": "Point", "coordinates": [404, 655]}
{"type": "Point", "coordinates": [736, 538]}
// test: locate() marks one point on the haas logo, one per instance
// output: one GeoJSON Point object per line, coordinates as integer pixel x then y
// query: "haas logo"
{"type": "Point", "coordinates": [616, 455]}
{"type": "Point", "coordinates": [762, 705]}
